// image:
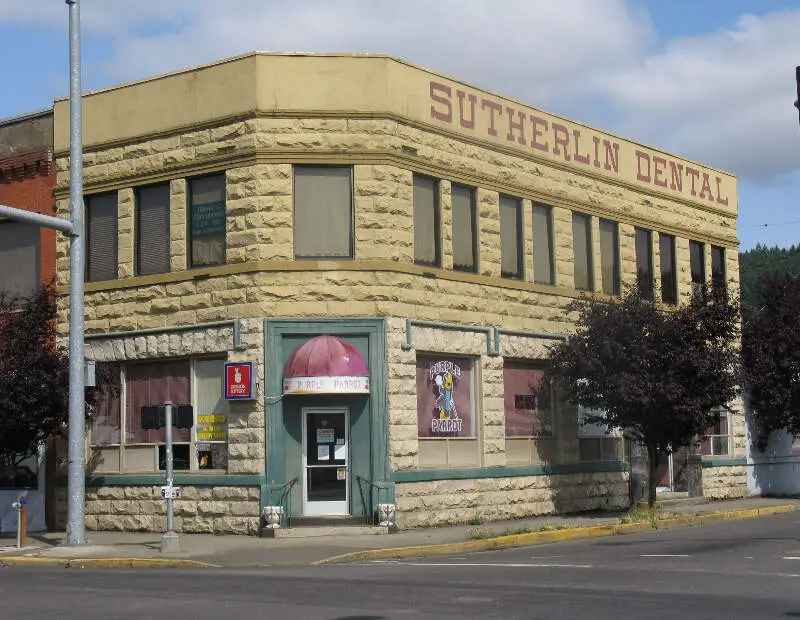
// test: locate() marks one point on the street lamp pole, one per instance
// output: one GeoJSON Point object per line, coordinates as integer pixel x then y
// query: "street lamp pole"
{"type": "Point", "coordinates": [76, 462]}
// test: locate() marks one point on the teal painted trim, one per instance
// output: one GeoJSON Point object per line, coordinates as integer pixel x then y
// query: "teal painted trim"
{"type": "Point", "coordinates": [235, 323]}
{"type": "Point", "coordinates": [429, 475]}
{"type": "Point", "coordinates": [723, 462]}
{"type": "Point", "coordinates": [498, 331]}
{"type": "Point", "coordinates": [375, 329]}
{"type": "Point", "coordinates": [492, 349]}
{"type": "Point", "coordinates": [140, 480]}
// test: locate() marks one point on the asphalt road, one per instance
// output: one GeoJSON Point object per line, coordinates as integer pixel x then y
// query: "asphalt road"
{"type": "Point", "coordinates": [745, 569]}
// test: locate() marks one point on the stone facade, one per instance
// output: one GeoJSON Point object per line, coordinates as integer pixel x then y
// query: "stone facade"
{"type": "Point", "coordinates": [257, 149]}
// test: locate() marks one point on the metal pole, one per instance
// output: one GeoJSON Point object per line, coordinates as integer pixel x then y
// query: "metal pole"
{"type": "Point", "coordinates": [168, 424]}
{"type": "Point", "coordinates": [76, 521]}
{"type": "Point", "coordinates": [37, 219]}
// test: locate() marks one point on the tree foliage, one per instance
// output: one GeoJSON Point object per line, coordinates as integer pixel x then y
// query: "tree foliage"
{"type": "Point", "coordinates": [761, 261]}
{"type": "Point", "coordinates": [656, 373]}
{"type": "Point", "coordinates": [34, 376]}
{"type": "Point", "coordinates": [771, 354]}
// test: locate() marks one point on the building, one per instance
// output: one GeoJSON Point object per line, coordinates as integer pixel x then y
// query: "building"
{"type": "Point", "coordinates": [392, 251]}
{"type": "Point", "coordinates": [27, 259]}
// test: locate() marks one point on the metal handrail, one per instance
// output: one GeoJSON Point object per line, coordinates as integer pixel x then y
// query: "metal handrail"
{"type": "Point", "coordinates": [369, 505]}
{"type": "Point", "coordinates": [285, 500]}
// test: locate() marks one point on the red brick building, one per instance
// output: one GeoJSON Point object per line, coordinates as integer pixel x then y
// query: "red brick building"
{"type": "Point", "coordinates": [27, 259]}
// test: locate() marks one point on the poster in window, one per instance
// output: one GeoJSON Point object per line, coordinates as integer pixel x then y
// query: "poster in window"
{"type": "Point", "coordinates": [528, 403]}
{"type": "Point", "coordinates": [444, 397]}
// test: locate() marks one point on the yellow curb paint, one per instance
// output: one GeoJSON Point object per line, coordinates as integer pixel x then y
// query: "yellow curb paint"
{"type": "Point", "coordinates": [536, 538]}
{"type": "Point", "coordinates": [103, 562]}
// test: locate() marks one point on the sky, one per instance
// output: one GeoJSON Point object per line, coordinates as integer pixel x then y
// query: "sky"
{"type": "Point", "coordinates": [711, 80]}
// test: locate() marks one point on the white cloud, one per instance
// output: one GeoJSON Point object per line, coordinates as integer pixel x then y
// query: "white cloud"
{"type": "Point", "coordinates": [724, 98]}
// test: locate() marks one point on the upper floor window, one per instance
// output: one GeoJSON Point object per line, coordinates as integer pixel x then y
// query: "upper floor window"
{"type": "Point", "coordinates": [644, 261]}
{"type": "Point", "coordinates": [323, 211]}
{"type": "Point", "coordinates": [718, 267]}
{"type": "Point", "coordinates": [427, 233]}
{"type": "Point", "coordinates": [19, 258]}
{"type": "Point", "coordinates": [609, 256]}
{"type": "Point", "coordinates": [582, 251]}
{"type": "Point", "coordinates": [465, 233]}
{"type": "Point", "coordinates": [101, 237]}
{"type": "Point", "coordinates": [542, 219]}
{"type": "Point", "coordinates": [510, 237]}
{"type": "Point", "coordinates": [697, 263]}
{"type": "Point", "coordinates": [207, 222]}
{"type": "Point", "coordinates": [669, 281]}
{"type": "Point", "coordinates": [152, 230]}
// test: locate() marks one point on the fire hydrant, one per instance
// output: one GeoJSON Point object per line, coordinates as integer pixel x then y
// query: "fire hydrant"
{"type": "Point", "coordinates": [21, 506]}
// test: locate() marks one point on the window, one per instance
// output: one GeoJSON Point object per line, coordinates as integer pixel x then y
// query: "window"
{"type": "Point", "coordinates": [152, 230]}
{"type": "Point", "coordinates": [207, 221]}
{"type": "Point", "coordinates": [717, 438]}
{"type": "Point", "coordinates": [19, 258]}
{"type": "Point", "coordinates": [582, 251]}
{"type": "Point", "coordinates": [669, 282]}
{"type": "Point", "coordinates": [644, 261]}
{"type": "Point", "coordinates": [609, 256]}
{"type": "Point", "coordinates": [465, 238]}
{"type": "Point", "coordinates": [697, 264]}
{"type": "Point", "coordinates": [510, 237]}
{"type": "Point", "coordinates": [718, 267]}
{"type": "Point", "coordinates": [595, 441]}
{"type": "Point", "coordinates": [323, 211]}
{"type": "Point", "coordinates": [528, 400]}
{"type": "Point", "coordinates": [427, 234]}
{"type": "Point", "coordinates": [101, 237]}
{"type": "Point", "coordinates": [543, 272]}
{"type": "Point", "coordinates": [198, 382]}
{"type": "Point", "coordinates": [446, 411]}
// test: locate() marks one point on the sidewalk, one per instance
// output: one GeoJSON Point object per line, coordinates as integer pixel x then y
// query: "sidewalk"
{"type": "Point", "coordinates": [143, 549]}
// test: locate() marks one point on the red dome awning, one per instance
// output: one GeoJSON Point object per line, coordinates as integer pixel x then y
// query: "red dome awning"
{"type": "Point", "coordinates": [325, 365]}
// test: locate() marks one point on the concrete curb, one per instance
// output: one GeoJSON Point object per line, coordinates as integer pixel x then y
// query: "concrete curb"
{"type": "Point", "coordinates": [539, 538]}
{"type": "Point", "coordinates": [20, 561]}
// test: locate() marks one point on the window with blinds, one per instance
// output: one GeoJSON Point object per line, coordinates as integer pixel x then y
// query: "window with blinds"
{"type": "Point", "coordinates": [101, 237]}
{"type": "Point", "coordinates": [609, 256]}
{"type": "Point", "coordinates": [543, 272]}
{"type": "Point", "coordinates": [718, 267]}
{"type": "Point", "coordinates": [465, 237]}
{"type": "Point", "coordinates": [669, 280]}
{"type": "Point", "coordinates": [644, 261]}
{"type": "Point", "coordinates": [207, 221]}
{"type": "Point", "coordinates": [152, 230]}
{"type": "Point", "coordinates": [582, 251]}
{"type": "Point", "coordinates": [697, 264]}
{"type": "Point", "coordinates": [323, 211]}
{"type": "Point", "coordinates": [19, 258]}
{"type": "Point", "coordinates": [427, 234]}
{"type": "Point", "coordinates": [511, 237]}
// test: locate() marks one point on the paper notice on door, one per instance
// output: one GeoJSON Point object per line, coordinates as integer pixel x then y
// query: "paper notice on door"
{"type": "Point", "coordinates": [323, 452]}
{"type": "Point", "coordinates": [325, 435]}
{"type": "Point", "coordinates": [341, 473]}
{"type": "Point", "coordinates": [340, 452]}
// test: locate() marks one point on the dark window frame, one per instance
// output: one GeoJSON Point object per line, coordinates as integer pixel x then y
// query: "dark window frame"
{"type": "Point", "coordinates": [669, 279]}
{"type": "Point", "coordinates": [718, 268]}
{"type": "Point", "coordinates": [698, 277]}
{"type": "Point", "coordinates": [437, 221]}
{"type": "Point", "coordinates": [645, 281]}
{"type": "Point", "coordinates": [616, 263]}
{"type": "Point", "coordinates": [87, 200]}
{"type": "Point", "coordinates": [351, 228]}
{"type": "Point", "coordinates": [520, 238]}
{"type": "Point", "coordinates": [189, 205]}
{"type": "Point", "coordinates": [473, 212]}
{"type": "Point", "coordinates": [137, 237]}
{"type": "Point", "coordinates": [577, 215]}
{"type": "Point", "coordinates": [550, 237]}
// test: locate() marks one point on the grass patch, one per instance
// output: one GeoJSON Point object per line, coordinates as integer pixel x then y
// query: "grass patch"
{"type": "Point", "coordinates": [480, 533]}
{"type": "Point", "coordinates": [476, 519]}
{"type": "Point", "coordinates": [643, 514]}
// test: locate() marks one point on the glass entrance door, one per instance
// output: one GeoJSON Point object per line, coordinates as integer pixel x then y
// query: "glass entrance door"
{"type": "Point", "coordinates": [326, 462]}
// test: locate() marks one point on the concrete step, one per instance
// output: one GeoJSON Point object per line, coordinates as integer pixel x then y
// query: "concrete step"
{"type": "Point", "coordinates": [313, 531]}
{"type": "Point", "coordinates": [676, 502]}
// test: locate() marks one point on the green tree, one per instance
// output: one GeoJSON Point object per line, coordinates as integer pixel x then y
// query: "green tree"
{"type": "Point", "coordinates": [656, 373]}
{"type": "Point", "coordinates": [34, 377]}
{"type": "Point", "coordinates": [771, 354]}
